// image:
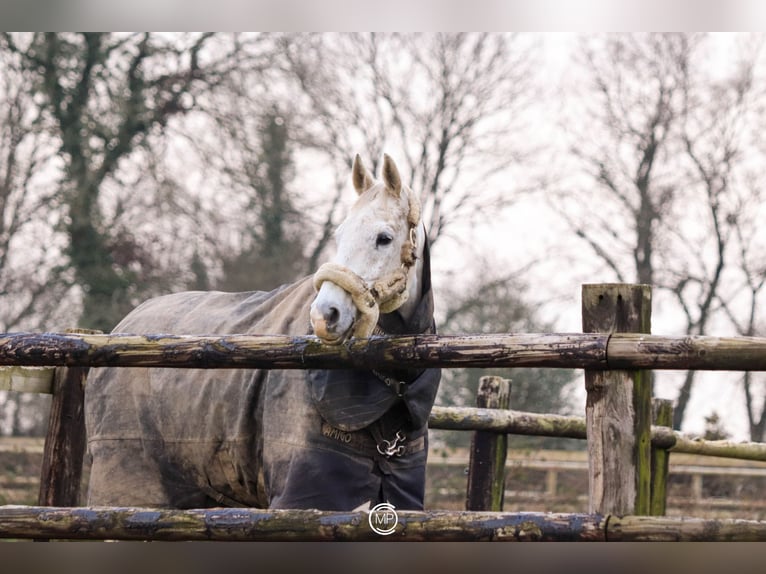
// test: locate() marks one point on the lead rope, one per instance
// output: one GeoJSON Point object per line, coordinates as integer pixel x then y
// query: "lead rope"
{"type": "Point", "coordinates": [384, 295]}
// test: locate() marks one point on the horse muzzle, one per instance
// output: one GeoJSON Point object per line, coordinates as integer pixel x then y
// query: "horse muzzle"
{"type": "Point", "coordinates": [344, 306]}
{"type": "Point", "coordinates": [332, 315]}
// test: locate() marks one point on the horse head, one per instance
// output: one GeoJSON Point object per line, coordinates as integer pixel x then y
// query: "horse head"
{"type": "Point", "coordinates": [378, 262]}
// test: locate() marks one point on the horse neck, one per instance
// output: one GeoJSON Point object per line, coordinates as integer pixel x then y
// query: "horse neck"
{"type": "Point", "coordinates": [414, 279]}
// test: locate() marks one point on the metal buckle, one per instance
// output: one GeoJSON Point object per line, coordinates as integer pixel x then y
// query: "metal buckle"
{"type": "Point", "coordinates": [395, 384]}
{"type": "Point", "coordinates": [389, 448]}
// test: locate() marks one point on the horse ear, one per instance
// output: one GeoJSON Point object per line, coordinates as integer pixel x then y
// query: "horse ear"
{"type": "Point", "coordinates": [391, 175]}
{"type": "Point", "coordinates": [361, 177]}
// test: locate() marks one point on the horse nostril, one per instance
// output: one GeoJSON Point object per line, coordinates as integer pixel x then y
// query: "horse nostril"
{"type": "Point", "coordinates": [332, 315]}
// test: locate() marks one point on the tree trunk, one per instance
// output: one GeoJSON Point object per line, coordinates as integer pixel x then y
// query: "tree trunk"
{"type": "Point", "coordinates": [105, 299]}
{"type": "Point", "coordinates": [684, 395]}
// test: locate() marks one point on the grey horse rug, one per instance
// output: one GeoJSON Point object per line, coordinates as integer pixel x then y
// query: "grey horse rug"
{"type": "Point", "coordinates": [331, 439]}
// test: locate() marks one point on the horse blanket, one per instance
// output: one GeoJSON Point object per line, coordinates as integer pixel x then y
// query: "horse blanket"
{"type": "Point", "coordinates": [264, 438]}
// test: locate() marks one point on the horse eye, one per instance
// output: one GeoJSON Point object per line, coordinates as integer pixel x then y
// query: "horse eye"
{"type": "Point", "coordinates": [383, 239]}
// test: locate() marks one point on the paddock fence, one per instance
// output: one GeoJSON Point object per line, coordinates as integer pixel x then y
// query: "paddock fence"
{"type": "Point", "coordinates": [628, 436]}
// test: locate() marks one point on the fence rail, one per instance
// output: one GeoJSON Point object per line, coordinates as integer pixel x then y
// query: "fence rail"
{"type": "Point", "coordinates": [231, 524]}
{"type": "Point", "coordinates": [534, 424]}
{"type": "Point", "coordinates": [594, 351]}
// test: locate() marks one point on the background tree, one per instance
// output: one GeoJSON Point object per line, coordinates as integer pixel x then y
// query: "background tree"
{"type": "Point", "coordinates": [105, 95]}
{"type": "Point", "coordinates": [632, 109]}
{"type": "Point", "coordinates": [34, 287]}
{"type": "Point", "coordinates": [662, 169]}
{"type": "Point", "coordinates": [449, 107]}
{"type": "Point", "coordinates": [76, 108]}
{"type": "Point", "coordinates": [272, 252]}
{"type": "Point", "coordinates": [744, 310]}
{"type": "Point", "coordinates": [733, 132]}
{"type": "Point", "coordinates": [32, 283]}
{"type": "Point", "coordinates": [255, 237]}
{"type": "Point", "coordinates": [716, 143]}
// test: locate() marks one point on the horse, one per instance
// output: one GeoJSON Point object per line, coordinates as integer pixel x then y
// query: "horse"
{"type": "Point", "coordinates": [335, 439]}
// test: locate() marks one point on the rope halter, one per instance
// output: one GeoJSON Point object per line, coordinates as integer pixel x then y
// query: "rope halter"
{"type": "Point", "coordinates": [384, 295]}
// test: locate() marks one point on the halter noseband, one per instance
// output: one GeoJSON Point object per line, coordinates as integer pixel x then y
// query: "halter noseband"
{"type": "Point", "coordinates": [384, 295]}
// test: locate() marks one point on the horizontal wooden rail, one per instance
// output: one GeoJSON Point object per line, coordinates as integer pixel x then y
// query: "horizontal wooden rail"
{"type": "Point", "coordinates": [535, 424]}
{"type": "Point", "coordinates": [286, 352]}
{"type": "Point", "coordinates": [506, 421]}
{"type": "Point", "coordinates": [36, 522]}
{"type": "Point", "coordinates": [247, 524]}
{"type": "Point", "coordinates": [571, 351]}
{"type": "Point", "coordinates": [703, 353]}
{"type": "Point", "coordinates": [559, 461]}
{"type": "Point", "coordinates": [27, 379]}
{"type": "Point", "coordinates": [722, 448]}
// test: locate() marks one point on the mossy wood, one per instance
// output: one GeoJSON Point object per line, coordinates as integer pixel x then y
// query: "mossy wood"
{"type": "Point", "coordinates": [683, 529]}
{"type": "Point", "coordinates": [243, 524]}
{"type": "Point", "coordinates": [535, 424]}
{"type": "Point", "coordinates": [485, 487]}
{"type": "Point", "coordinates": [61, 471]}
{"type": "Point", "coordinates": [596, 351]}
{"type": "Point", "coordinates": [507, 421]}
{"type": "Point", "coordinates": [287, 352]}
{"type": "Point", "coordinates": [27, 379]}
{"type": "Point", "coordinates": [618, 405]}
{"type": "Point", "coordinates": [247, 524]}
{"type": "Point", "coordinates": [662, 416]}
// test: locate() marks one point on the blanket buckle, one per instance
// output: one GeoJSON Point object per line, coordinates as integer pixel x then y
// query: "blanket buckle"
{"type": "Point", "coordinates": [394, 447]}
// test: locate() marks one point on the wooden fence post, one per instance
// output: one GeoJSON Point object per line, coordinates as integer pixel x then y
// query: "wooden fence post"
{"type": "Point", "coordinates": [61, 472]}
{"type": "Point", "coordinates": [662, 415]}
{"type": "Point", "coordinates": [618, 405]}
{"type": "Point", "coordinates": [486, 466]}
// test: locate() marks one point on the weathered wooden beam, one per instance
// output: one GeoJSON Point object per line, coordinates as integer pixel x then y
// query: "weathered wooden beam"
{"type": "Point", "coordinates": [662, 416]}
{"type": "Point", "coordinates": [683, 529]}
{"type": "Point", "coordinates": [61, 471]}
{"type": "Point", "coordinates": [286, 352]}
{"type": "Point", "coordinates": [507, 421]}
{"type": "Point", "coordinates": [26, 379]}
{"type": "Point", "coordinates": [276, 351]}
{"type": "Point", "coordinates": [722, 448]}
{"type": "Point", "coordinates": [618, 405]}
{"type": "Point", "coordinates": [701, 353]}
{"type": "Point", "coordinates": [247, 524]}
{"type": "Point", "coordinates": [485, 487]}
{"type": "Point", "coordinates": [554, 350]}
{"type": "Point", "coordinates": [534, 424]}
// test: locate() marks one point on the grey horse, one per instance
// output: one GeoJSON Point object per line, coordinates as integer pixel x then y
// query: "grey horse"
{"type": "Point", "coordinates": [336, 439]}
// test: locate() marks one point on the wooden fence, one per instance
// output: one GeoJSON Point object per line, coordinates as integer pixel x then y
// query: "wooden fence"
{"type": "Point", "coordinates": [627, 455]}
